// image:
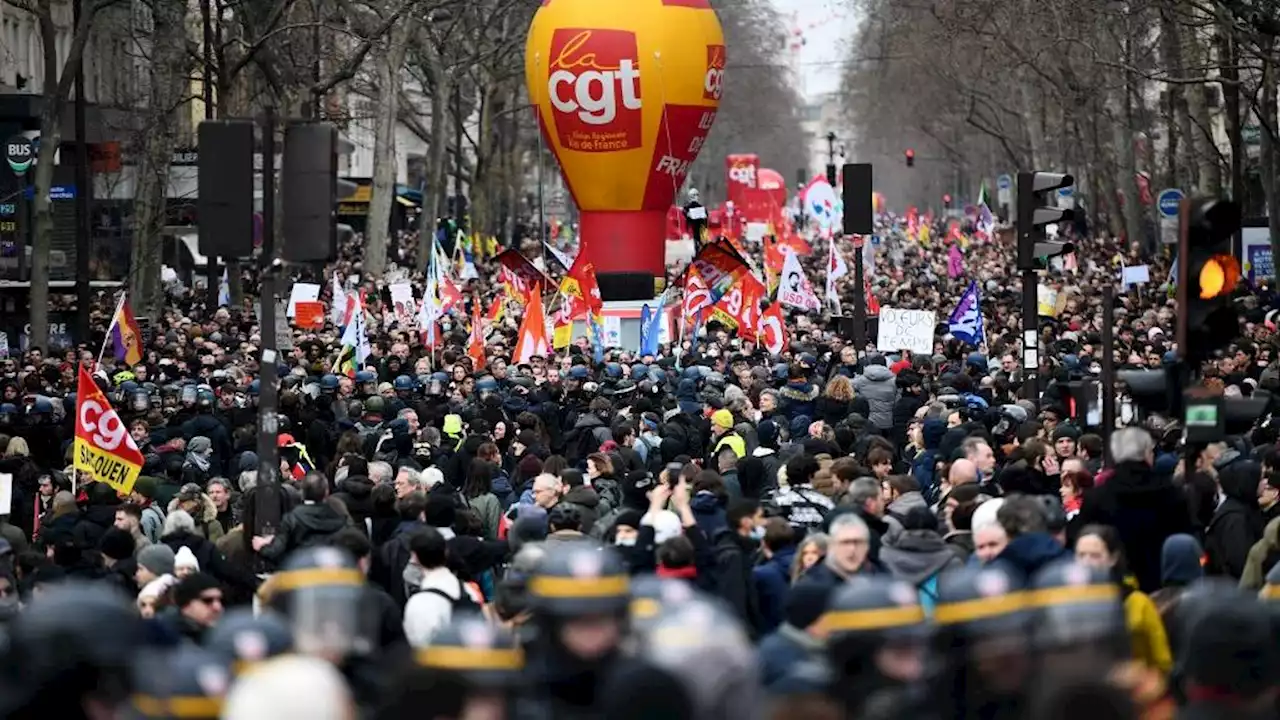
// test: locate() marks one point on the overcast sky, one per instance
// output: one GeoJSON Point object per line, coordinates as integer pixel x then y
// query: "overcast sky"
{"type": "Point", "coordinates": [826, 25]}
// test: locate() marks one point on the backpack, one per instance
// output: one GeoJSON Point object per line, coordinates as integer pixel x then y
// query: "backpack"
{"type": "Point", "coordinates": [465, 603]}
{"type": "Point", "coordinates": [928, 593]}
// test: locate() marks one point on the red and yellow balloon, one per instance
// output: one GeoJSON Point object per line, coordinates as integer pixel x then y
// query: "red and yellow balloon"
{"type": "Point", "coordinates": [625, 93]}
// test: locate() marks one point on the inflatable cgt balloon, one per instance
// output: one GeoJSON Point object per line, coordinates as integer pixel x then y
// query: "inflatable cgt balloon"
{"type": "Point", "coordinates": [625, 93]}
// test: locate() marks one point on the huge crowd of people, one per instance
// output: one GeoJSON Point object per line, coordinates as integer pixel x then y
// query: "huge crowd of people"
{"type": "Point", "coordinates": [705, 532]}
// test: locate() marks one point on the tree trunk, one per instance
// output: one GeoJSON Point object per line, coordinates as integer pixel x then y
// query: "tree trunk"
{"type": "Point", "coordinates": [42, 223]}
{"type": "Point", "coordinates": [168, 74]}
{"type": "Point", "coordinates": [436, 154]}
{"type": "Point", "coordinates": [482, 174]}
{"type": "Point", "coordinates": [390, 69]}
{"type": "Point", "coordinates": [1180, 167]}
{"type": "Point", "coordinates": [1270, 150]}
{"type": "Point", "coordinates": [1208, 168]}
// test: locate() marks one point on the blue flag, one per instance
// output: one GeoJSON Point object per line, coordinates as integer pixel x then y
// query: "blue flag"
{"type": "Point", "coordinates": [965, 322]}
{"type": "Point", "coordinates": [651, 326]}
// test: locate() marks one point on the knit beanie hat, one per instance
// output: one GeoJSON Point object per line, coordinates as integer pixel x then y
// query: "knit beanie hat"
{"type": "Point", "coordinates": [117, 544]}
{"type": "Point", "coordinates": [185, 559]}
{"type": "Point", "coordinates": [156, 558]}
{"type": "Point", "coordinates": [192, 586]}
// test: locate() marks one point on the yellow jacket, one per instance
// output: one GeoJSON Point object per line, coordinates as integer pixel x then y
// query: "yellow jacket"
{"type": "Point", "coordinates": [733, 440]}
{"type": "Point", "coordinates": [1146, 631]}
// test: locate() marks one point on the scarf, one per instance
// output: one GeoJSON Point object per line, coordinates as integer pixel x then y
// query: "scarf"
{"type": "Point", "coordinates": [199, 460]}
{"type": "Point", "coordinates": [684, 573]}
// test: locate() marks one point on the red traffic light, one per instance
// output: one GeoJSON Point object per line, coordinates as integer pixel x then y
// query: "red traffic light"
{"type": "Point", "coordinates": [911, 157]}
{"type": "Point", "coordinates": [911, 154]}
{"type": "Point", "coordinates": [946, 199]}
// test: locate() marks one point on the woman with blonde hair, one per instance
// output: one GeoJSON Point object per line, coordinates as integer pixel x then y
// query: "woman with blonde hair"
{"type": "Point", "coordinates": [837, 401]}
{"type": "Point", "coordinates": [812, 549]}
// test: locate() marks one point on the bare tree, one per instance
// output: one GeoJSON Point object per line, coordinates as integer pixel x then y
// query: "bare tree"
{"type": "Point", "coordinates": [389, 66]}
{"type": "Point", "coordinates": [169, 69]}
{"type": "Point", "coordinates": [59, 76]}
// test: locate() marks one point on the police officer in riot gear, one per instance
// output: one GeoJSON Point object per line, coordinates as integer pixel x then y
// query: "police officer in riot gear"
{"type": "Point", "coordinates": [878, 649]}
{"type": "Point", "coordinates": [472, 669]}
{"type": "Point", "coordinates": [184, 682]}
{"type": "Point", "coordinates": [701, 642]}
{"type": "Point", "coordinates": [982, 641]}
{"type": "Point", "coordinates": [321, 594]}
{"type": "Point", "coordinates": [580, 596]}
{"type": "Point", "coordinates": [71, 654]}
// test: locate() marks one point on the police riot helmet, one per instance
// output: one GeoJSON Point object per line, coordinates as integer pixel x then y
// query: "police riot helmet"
{"type": "Point", "coordinates": [580, 579]}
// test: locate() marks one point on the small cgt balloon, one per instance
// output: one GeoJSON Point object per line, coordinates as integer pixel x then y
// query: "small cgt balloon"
{"type": "Point", "coordinates": [625, 93]}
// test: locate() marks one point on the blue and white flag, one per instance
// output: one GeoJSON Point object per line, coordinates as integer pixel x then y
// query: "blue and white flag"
{"type": "Point", "coordinates": [651, 326]}
{"type": "Point", "coordinates": [965, 322]}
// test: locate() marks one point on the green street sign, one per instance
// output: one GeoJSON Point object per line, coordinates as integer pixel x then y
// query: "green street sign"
{"type": "Point", "coordinates": [20, 153]}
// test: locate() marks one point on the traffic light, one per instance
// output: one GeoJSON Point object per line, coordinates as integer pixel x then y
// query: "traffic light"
{"type": "Point", "coordinates": [1207, 277]}
{"type": "Point", "coordinates": [946, 201]}
{"type": "Point", "coordinates": [225, 205]}
{"type": "Point", "coordinates": [309, 184]}
{"type": "Point", "coordinates": [1207, 415]}
{"type": "Point", "coordinates": [911, 157]}
{"type": "Point", "coordinates": [1035, 211]}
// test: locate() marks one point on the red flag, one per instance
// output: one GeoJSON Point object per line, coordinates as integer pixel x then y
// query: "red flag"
{"type": "Point", "coordinates": [103, 446]}
{"type": "Point", "coordinates": [494, 313]}
{"type": "Point", "coordinates": [450, 295]}
{"type": "Point", "coordinates": [521, 274]}
{"type": "Point", "coordinates": [773, 330]}
{"type": "Point", "coordinates": [873, 305]}
{"type": "Point", "coordinates": [476, 348]}
{"type": "Point", "coordinates": [742, 305]}
{"type": "Point", "coordinates": [580, 283]}
{"type": "Point", "coordinates": [532, 338]}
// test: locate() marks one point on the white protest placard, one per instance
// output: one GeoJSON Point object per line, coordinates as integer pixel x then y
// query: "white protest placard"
{"type": "Point", "coordinates": [302, 292]}
{"type": "Point", "coordinates": [906, 330]}
{"type": "Point", "coordinates": [6, 493]}
{"type": "Point", "coordinates": [612, 331]}
{"type": "Point", "coordinates": [406, 308]}
{"type": "Point", "coordinates": [1135, 275]}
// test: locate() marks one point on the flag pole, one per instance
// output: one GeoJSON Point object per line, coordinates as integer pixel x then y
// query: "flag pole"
{"type": "Point", "coordinates": [106, 338]}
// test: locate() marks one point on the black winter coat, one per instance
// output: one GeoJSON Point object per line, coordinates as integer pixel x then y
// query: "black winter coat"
{"type": "Point", "coordinates": [1145, 509]}
{"type": "Point", "coordinates": [303, 526]}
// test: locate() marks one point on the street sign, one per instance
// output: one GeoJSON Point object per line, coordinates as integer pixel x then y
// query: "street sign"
{"type": "Point", "coordinates": [57, 192]}
{"type": "Point", "coordinates": [20, 153]}
{"type": "Point", "coordinates": [1169, 202]}
{"type": "Point", "coordinates": [1067, 197]}
{"type": "Point", "coordinates": [1004, 190]}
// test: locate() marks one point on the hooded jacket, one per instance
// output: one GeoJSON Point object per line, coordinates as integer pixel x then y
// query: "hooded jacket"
{"type": "Point", "coordinates": [356, 492]}
{"type": "Point", "coordinates": [1262, 557]}
{"type": "Point", "coordinates": [1238, 523]}
{"type": "Point", "coordinates": [303, 526]}
{"type": "Point", "coordinates": [923, 467]}
{"type": "Point", "coordinates": [1027, 554]}
{"type": "Point", "coordinates": [798, 399]}
{"type": "Point", "coordinates": [589, 503]}
{"type": "Point", "coordinates": [878, 385]}
{"type": "Point", "coordinates": [206, 520]}
{"type": "Point", "coordinates": [914, 556]}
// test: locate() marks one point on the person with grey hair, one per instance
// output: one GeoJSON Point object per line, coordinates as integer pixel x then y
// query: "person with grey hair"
{"type": "Point", "coordinates": [248, 480]}
{"type": "Point", "coordinates": [865, 499]}
{"type": "Point", "coordinates": [1142, 505]}
{"type": "Point", "coordinates": [848, 553]}
{"type": "Point", "coordinates": [380, 472]}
